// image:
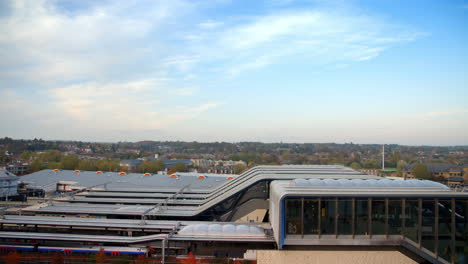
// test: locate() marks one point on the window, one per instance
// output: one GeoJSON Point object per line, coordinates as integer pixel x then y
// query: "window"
{"type": "Point", "coordinates": [311, 216]}
{"type": "Point", "coordinates": [293, 216]}
{"type": "Point", "coordinates": [461, 234]}
{"type": "Point", "coordinates": [378, 217]}
{"type": "Point", "coordinates": [395, 212]}
{"type": "Point", "coordinates": [445, 229]}
{"type": "Point", "coordinates": [345, 217]}
{"type": "Point", "coordinates": [362, 217]}
{"type": "Point", "coordinates": [411, 219]}
{"type": "Point", "coordinates": [428, 225]}
{"type": "Point", "coordinates": [327, 214]}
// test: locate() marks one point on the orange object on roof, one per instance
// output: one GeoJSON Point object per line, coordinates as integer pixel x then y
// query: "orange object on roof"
{"type": "Point", "coordinates": [201, 177]}
{"type": "Point", "coordinates": [98, 172]}
{"type": "Point", "coordinates": [230, 178]}
{"type": "Point", "coordinates": [173, 176]}
{"type": "Point", "coordinates": [122, 173]}
{"type": "Point", "coordinates": [76, 171]}
{"type": "Point", "coordinates": [147, 174]}
{"type": "Point", "coordinates": [56, 170]}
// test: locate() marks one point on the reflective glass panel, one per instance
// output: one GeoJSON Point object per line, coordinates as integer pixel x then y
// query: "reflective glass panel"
{"type": "Point", "coordinates": [311, 214]}
{"type": "Point", "coordinates": [428, 222]}
{"type": "Point", "coordinates": [461, 234]}
{"type": "Point", "coordinates": [445, 229]}
{"type": "Point", "coordinates": [412, 219]}
{"type": "Point", "coordinates": [362, 217]}
{"type": "Point", "coordinates": [293, 216]}
{"type": "Point", "coordinates": [378, 217]}
{"type": "Point", "coordinates": [345, 217]}
{"type": "Point", "coordinates": [327, 214]}
{"type": "Point", "coordinates": [395, 213]}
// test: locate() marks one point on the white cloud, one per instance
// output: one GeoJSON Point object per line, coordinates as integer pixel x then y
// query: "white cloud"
{"type": "Point", "coordinates": [318, 37]}
{"type": "Point", "coordinates": [51, 46]}
{"type": "Point", "coordinates": [210, 25]}
{"type": "Point", "coordinates": [123, 106]}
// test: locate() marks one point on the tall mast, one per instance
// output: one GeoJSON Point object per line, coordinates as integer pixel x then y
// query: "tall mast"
{"type": "Point", "coordinates": [383, 157]}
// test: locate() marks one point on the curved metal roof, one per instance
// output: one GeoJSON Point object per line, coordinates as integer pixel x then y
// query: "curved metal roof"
{"type": "Point", "coordinates": [221, 230]}
{"type": "Point", "coordinates": [373, 183]}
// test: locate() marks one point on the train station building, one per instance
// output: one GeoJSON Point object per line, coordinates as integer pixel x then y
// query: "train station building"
{"type": "Point", "coordinates": [268, 214]}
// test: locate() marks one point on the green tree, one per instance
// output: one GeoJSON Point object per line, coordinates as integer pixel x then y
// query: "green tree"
{"type": "Point", "coordinates": [54, 165]}
{"type": "Point", "coordinates": [152, 166]}
{"type": "Point", "coordinates": [179, 167]}
{"type": "Point", "coordinates": [421, 171]}
{"type": "Point", "coordinates": [27, 155]}
{"type": "Point", "coordinates": [239, 168]}
{"type": "Point", "coordinates": [51, 155]}
{"type": "Point", "coordinates": [37, 165]}
{"type": "Point", "coordinates": [355, 165]}
{"type": "Point", "coordinates": [107, 165]}
{"type": "Point", "coordinates": [371, 164]}
{"type": "Point", "coordinates": [70, 162]}
{"type": "Point", "coordinates": [400, 166]}
{"type": "Point", "coordinates": [87, 165]}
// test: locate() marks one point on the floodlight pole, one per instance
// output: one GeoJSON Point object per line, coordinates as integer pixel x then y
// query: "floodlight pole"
{"type": "Point", "coordinates": [383, 158]}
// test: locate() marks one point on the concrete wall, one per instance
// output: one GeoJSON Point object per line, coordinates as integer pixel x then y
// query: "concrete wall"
{"type": "Point", "coordinates": [331, 257]}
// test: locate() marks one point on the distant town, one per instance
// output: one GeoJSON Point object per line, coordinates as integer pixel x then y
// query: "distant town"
{"type": "Point", "coordinates": [446, 164]}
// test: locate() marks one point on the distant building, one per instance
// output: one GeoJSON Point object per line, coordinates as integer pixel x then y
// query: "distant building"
{"type": "Point", "coordinates": [18, 168]}
{"type": "Point", "coordinates": [8, 185]}
{"type": "Point", "coordinates": [130, 165]}
{"type": "Point", "coordinates": [440, 171]}
{"type": "Point", "coordinates": [171, 162]}
{"type": "Point", "coordinates": [221, 170]}
{"type": "Point", "coordinates": [204, 163]}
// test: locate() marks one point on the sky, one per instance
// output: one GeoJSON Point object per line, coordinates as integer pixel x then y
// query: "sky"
{"type": "Point", "coordinates": [361, 71]}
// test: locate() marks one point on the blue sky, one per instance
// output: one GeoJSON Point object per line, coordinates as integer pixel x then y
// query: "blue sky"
{"type": "Point", "coordinates": [281, 70]}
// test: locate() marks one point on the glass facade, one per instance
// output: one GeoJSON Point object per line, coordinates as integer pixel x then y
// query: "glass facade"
{"type": "Point", "coordinates": [378, 217]}
{"type": "Point", "coordinates": [327, 216]}
{"type": "Point", "coordinates": [461, 231]}
{"type": "Point", "coordinates": [311, 216]}
{"type": "Point", "coordinates": [437, 225]}
{"type": "Point", "coordinates": [361, 217]}
{"type": "Point", "coordinates": [395, 216]}
{"type": "Point", "coordinates": [345, 217]}
{"type": "Point", "coordinates": [412, 219]}
{"type": "Point", "coordinates": [294, 216]}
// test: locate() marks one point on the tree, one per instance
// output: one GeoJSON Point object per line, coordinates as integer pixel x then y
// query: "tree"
{"type": "Point", "coordinates": [107, 165]}
{"type": "Point", "coordinates": [421, 171]}
{"type": "Point", "coordinates": [36, 165]}
{"type": "Point", "coordinates": [27, 155]}
{"type": "Point", "coordinates": [355, 165]}
{"type": "Point", "coordinates": [371, 164]}
{"type": "Point", "coordinates": [400, 166]}
{"type": "Point", "coordinates": [239, 168]}
{"type": "Point", "coordinates": [70, 162]}
{"type": "Point", "coordinates": [54, 165]}
{"type": "Point", "coordinates": [179, 167]}
{"type": "Point", "coordinates": [51, 155]}
{"type": "Point", "coordinates": [87, 165]}
{"type": "Point", "coordinates": [152, 166]}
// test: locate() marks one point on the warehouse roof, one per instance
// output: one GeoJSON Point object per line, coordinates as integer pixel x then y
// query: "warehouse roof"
{"type": "Point", "coordinates": [47, 179]}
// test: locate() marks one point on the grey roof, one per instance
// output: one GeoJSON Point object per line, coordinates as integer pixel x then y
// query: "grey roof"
{"type": "Point", "coordinates": [6, 175]}
{"type": "Point", "coordinates": [368, 183]}
{"type": "Point", "coordinates": [209, 197]}
{"type": "Point", "coordinates": [436, 167]}
{"type": "Point", "coordinates": [216, 230]}
{"type": "Point", "coordinates": [135, 162]}
{"type": "Point", "coordinates": [455, 179]}
{"type": "Point", "coordinates": [136, 182]}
